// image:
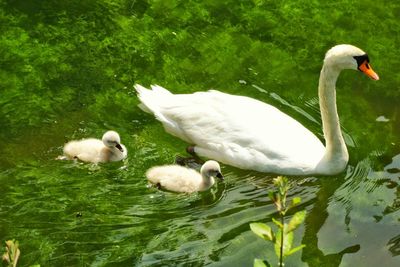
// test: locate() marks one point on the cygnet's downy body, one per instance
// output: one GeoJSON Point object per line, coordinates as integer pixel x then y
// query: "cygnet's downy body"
{"type": "Point", "coordinates": [95, 150]}
{"type": "Point", "coordinates": [184, 180]}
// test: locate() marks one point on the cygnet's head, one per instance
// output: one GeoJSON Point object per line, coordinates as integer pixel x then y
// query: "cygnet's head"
{"type": "Point", "coordinates": [211, 168]}
{"type": "Point", "coordinates": [347, 56]}
{"type": "Point", "coordinates": [111, 139]}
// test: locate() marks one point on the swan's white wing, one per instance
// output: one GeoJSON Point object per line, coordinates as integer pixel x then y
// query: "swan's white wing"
{"type": "Point", "coordinates": [238, 130]}
{"type": "Point", "coordinates": [244, 131]}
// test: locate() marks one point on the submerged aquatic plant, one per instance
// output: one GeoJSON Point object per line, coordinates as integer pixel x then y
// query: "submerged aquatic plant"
{"type": "Point", "coordinates": [12, 253]}
{"type": "Point", "coordinates": [283, 237]}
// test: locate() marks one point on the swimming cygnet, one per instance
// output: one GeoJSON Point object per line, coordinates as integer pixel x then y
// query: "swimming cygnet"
{"type": "Point", "coordinates": [184, 180]}
{"type": "Point", "coordinates": [95, 150]}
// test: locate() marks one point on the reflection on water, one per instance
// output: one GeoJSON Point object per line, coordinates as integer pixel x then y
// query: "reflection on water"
{"type": "Point", "coordinates": [353, 215]}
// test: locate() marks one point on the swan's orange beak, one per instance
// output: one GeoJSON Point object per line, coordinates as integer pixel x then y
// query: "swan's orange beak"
{"type": "Point", "coordinates": [366, 68]}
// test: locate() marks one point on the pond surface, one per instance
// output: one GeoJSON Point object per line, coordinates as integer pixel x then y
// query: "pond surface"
{"type": "Point", "coordinates": [68, 70]}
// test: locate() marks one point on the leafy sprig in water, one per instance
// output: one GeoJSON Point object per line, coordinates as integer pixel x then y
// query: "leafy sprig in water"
{"type": "Point", "coordinates": [12, 253]}
{"type": "Point", "coordinates": [283, 237]}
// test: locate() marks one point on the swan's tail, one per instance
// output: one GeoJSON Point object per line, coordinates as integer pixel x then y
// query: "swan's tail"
{"type": "Point", "coordinates": [158, 101]}
{"type": "Point", "coordinates": [151, 98]}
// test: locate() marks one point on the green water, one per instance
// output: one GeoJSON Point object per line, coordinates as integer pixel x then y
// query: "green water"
{"type": "Point", "coordinates": [67, 70]}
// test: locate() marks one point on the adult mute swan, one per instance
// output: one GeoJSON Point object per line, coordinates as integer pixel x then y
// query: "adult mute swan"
{"type": "Point", "coordinates": [249, 134]}
{"type": "Point", "coordinates": [95, 150]}
{"type": "Point", "coordinates": [184, 180]}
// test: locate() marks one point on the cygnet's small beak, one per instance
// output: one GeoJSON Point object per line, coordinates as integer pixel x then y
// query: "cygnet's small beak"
{"type": "Point", "coordinates": [220, 176]}
{"type": "Point", "coordinates": [119, 147]}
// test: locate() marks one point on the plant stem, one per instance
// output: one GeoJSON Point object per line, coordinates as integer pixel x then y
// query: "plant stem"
{"type": "Point", "coordinates": [281, 249]}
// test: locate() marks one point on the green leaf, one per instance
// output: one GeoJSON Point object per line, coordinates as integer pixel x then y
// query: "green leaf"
{"type": "Point", "coordinates": [295, 201]}
{"type": "Point", "coordinates": [262, 230]}
{"type": "Point", "coordinates": [296, 220]}
{"type": "Point", "coordinates": [287, 243]}
{"type": "Point", "coordinates": [293, 250]}
{"type": "Point", "coordinates": [261, 263]}
{"type": "Point", "coordinates": [278, 223]}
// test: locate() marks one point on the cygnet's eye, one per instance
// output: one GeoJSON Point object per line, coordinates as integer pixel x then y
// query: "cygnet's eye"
{"type": "Point", "coordinates": [112, 142]}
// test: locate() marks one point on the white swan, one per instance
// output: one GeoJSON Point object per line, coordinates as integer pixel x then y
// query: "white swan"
{"type": "Point", "coordinates": [249, 134]}
{"type": "Point", "coordinates": [184, 180]}
{"type": "Point", "coordinates": [95, 150]}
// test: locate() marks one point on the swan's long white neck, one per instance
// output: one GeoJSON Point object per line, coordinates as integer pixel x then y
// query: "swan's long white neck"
{"type": "Point", "coordinates": [336, 152]}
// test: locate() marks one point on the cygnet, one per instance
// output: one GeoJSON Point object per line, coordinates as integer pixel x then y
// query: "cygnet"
{"type": "Point", "coordinates": [184, 180]}
{"type": "Point", "coordinates": [95, 150]}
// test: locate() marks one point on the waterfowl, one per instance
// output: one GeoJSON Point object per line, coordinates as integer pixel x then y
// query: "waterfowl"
{"type": "Point", "coordinates": [249, 134]}
{"type": "Point", "coordinates": [184, 180]}
{"type": "Point", "coordinates": [95, 150]}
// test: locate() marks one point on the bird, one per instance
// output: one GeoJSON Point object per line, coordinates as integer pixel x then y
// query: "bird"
{"type": "Point", "coordinates": [95, 150]}
{"type": "Point", "coordinates": [181, 179]}
{"type": "Point", "coordinates": [246, 133]}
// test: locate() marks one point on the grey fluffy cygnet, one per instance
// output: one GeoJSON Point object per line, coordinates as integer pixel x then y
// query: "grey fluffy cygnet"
{"type": "Point", "coordinates": [184, 180]}
{"type": "Point", "coordinates": [95, 150]}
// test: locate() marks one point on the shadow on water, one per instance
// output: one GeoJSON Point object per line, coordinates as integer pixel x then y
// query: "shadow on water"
{"type": "Point", "coordinates": [314, 222]}
{"type": "Point", "coordinates": [352, 195]}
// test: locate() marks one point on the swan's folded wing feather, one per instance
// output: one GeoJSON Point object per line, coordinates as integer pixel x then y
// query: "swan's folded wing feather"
{"type": "Point", "coordinates": [227, 124]}
{"type": "Point", "coordinates": [235, 126]}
